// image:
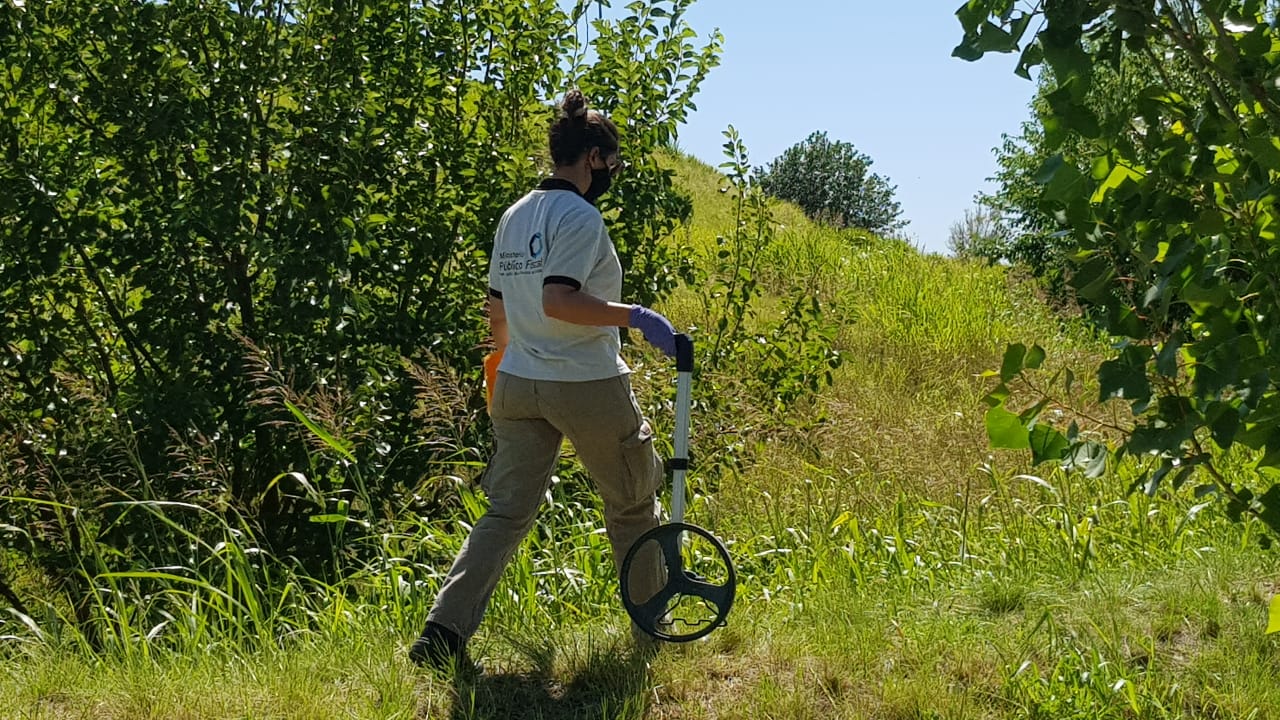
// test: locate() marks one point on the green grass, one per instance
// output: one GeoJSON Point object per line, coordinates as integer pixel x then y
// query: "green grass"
{"type": "Point", "coordinates": [891, 564]}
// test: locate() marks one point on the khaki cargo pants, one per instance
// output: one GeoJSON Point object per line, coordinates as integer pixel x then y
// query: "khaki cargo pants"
{"type": "Point", "coordinates": [530, 420]}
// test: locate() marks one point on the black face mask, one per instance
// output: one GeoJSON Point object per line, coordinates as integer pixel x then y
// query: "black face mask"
{"type": "Point", "coordinates": [600, 181]}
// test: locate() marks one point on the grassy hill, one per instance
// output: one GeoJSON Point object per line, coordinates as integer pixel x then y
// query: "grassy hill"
{"type": "Point", "coordinates": [891, 565]}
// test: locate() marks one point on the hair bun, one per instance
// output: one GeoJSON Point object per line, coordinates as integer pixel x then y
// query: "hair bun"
{"type": "Point", "coordinates": [577, 129]}
{"type": "Point", "coordinates": [574, 105]}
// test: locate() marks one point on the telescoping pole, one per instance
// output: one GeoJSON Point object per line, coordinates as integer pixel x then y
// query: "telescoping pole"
{"type": "Point", "coordinates": [684, 399]}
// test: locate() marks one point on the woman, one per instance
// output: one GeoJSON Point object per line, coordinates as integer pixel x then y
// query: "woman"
{"type": "Point", "coordinates": [555, 287]}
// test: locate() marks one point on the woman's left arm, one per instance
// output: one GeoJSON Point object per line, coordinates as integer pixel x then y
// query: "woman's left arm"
{"type": "Point", "coordinates": [498, 323]}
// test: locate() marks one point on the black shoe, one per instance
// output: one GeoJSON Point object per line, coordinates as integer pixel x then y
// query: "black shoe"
{"type": "Point", "coordinates": [441, 649]}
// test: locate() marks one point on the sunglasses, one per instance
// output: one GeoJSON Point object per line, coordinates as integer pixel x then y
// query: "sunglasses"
{"type": "Point", "coordinates": [617, 166]}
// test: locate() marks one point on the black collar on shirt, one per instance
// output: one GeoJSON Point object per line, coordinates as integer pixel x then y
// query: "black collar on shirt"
{"type": "Point", "coordinates": [555, 183]}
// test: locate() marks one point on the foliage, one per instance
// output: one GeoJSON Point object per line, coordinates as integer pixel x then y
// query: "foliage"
{"type": "Point", "coordinates": [1032, 238]}
{"type": "Point", "coordinates": [1035, 233]}
{"type": "Point", "coordinates": [765, 339]}
{"type": "Point", "coordinates": [649, 99]}
{"type": "Point", "coordinates": [978, 234]}
{"type": "Point", "coordinates": [1174, 226]}
{"type": "Point", "coordinates": [243, 249]}
{"type": "Point", "coordinates": [1005, 594]}
{"type": "Point", "coordinates": [791, 358]}
{"type": "Point", "coordinates": [830, 181]}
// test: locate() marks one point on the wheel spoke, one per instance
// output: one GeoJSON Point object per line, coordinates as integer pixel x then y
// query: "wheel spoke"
{"type": "Point", "coordinates": [651, 611]}
{"type": "Point", "coordinates": [670, 544]}
{"type": "Point", "coordinates": [718, 595]}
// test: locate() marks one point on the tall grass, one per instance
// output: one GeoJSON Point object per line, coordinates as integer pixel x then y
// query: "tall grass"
{"type": "Point", "coordinates": [890, 564]}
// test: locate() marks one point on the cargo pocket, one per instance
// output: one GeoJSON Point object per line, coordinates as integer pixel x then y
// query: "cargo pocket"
{"type": "Point", "coordinates": [644, 467]}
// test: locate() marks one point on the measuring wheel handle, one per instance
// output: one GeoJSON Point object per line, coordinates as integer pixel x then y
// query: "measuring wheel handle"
{"type": "Point", "coordinates": [657, 615]}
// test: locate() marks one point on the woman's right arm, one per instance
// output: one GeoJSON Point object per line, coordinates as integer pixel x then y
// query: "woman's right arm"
{"type": "Point", "coordinates": [564, 302]}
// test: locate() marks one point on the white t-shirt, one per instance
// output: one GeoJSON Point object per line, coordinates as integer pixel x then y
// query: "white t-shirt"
{"type": "Point", "coordinates": [553, 235]}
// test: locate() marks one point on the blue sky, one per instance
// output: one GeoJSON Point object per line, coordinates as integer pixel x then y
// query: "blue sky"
{"type": "Point", "coordinates": [878, 74]}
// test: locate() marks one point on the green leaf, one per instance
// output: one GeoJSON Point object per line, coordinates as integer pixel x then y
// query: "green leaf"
{"type": "Point", "coordinates": [1123, 321]}
{"type": "Point", "coordinates": [1159, 437]}
{"type": "Point", "coordinates": [1032, 414]}
{"type": "Point", "coordinates": [1131, 22]}
{"type": "Point", "coordinates": [1116, 179]}
{"type": "Point", "coordinates": [1126, 376]}
{"type": "Point", "coordinates": [1224, 423]}
{"type": "Point", "coordinates": [1066, 55]}
{"type": "Point", "coordinates": [1018, 27]}
{"type": "Point", "coordinates": [994, 38]}
{"type": "Point", "coordinates": [1202, 299]}
{"type": "Point", "coordinates": [1035, 358]}
{"type": "Point", "coordinates": [1270, 460]}
{"type": "Point", "coordinates": [1167, 358]}
{"type": "Point", "coordinates": [972, 14]}
{"type": "Point", "coordinates": [1013, 361]}
{"type": "Point", "coordinates": [996, 397]}
{"type": "Point", "coordinates": [1032, 56]}
{"type": "Point", "coordinates": [1092, 280]}
{"type": "Point", "coordinates": [1047, 444]}
{"type": "Point", "coordinates": [1181, 477]}
{"type": "Point", "coordinates": [1257, 42]}
{"type": "Point", "coordinates": [968, 49]}
{"type": "Point", "coordinates": [1049, 168]}
{"type": "Point", "coordinates": [1005, 430]}
{"type": "Point", "coordinates": [1269, 512]}
{"type": "Point", "coordinates": [1068, 104]}
{"type": "Point", "coordinates": [1066, 185]}
{"type": "Point", "coordinates": [1150, 484]}
{"type": "Point", "coordinates": [1102, 167]}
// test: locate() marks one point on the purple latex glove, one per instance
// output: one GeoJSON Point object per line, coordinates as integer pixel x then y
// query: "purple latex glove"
{"type": "Point", "coordinates": [655, 328]}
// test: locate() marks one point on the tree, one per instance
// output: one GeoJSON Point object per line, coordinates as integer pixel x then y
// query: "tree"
{"type": "Point", "coordinates": [1173, 224]}
{"type": "Point", "coordinates": [1016, 202]}
{"type": "Point", "coordinates": [228, 230]}
{"type": "Point", "coordinates": [978, 235]}
{"type": "Point", "coordinates": [829, 180]}
{"type": "Point", "coordinates": [1035, 240]}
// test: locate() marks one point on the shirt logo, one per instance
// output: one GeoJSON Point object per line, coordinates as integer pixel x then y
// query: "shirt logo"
{"type": "Point", "coordinates": [514, 262]}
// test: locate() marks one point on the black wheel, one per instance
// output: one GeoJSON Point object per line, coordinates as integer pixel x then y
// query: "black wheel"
{"type": "Point", "coordinates": [697, 582]}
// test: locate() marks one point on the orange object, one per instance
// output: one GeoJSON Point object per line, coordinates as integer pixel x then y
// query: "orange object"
{"type": "Point", "coordinates": [491, 362]}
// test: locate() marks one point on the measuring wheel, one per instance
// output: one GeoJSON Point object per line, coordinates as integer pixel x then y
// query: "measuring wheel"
{"type": "Point", "coordinates": [697, 577]}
